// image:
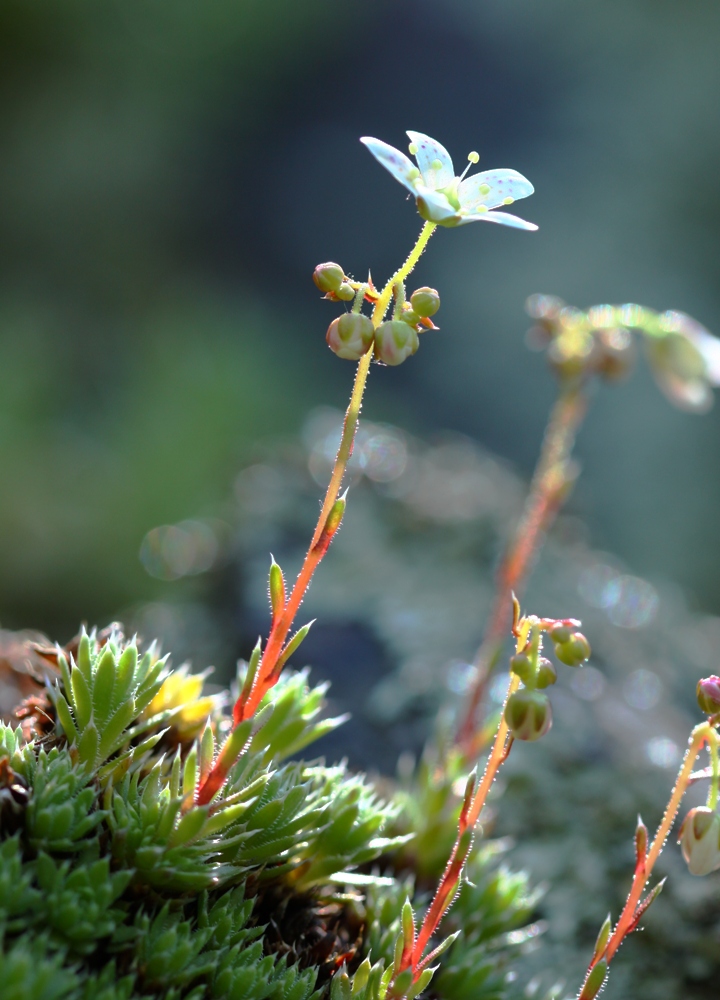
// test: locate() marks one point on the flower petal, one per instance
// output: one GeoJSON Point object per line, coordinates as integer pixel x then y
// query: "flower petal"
{"type": "Point", "coordinates": [434, 161]}
{"type": "Point", "coordinates": [395, 161]}
{"type": "Point", "coordinates": [503, 218]}
{"type": "Point", "coordinates": [492, 188]}
{"type": "Point", "coordinates": [433, 206]}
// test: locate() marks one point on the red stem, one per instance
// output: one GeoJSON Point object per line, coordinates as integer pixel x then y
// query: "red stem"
{"type": "Point", "coordinates": [544, 500]}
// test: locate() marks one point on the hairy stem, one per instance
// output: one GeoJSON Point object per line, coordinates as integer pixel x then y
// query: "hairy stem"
{"type": "Point", "coordinates": [544, 500]}
{"type": "Point", "coordinates": [267, 675]}
{"type": "Point", "coordinates": [468, 818]}
{"type": "Point", "coordinates": [629, 916]}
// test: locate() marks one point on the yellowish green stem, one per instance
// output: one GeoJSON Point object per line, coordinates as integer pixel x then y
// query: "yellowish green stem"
{"type": "Point", "coordinates": [352, 414]}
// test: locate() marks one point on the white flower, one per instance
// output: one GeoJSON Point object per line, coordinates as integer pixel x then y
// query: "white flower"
{"type": "Point", "coordinates": [442, 197]}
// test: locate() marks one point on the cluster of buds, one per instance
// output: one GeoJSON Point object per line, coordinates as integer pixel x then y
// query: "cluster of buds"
{"type": "Point", "coordinates": [351, 335]}
{"type": "Point", "coordinates": [332, 280]}
{"type": "Point", "coordinates": [528, 713]}
{"type": "Point", "coordinates": [683, 356]}
{"type": "Point", "coordinates": [581, 344]}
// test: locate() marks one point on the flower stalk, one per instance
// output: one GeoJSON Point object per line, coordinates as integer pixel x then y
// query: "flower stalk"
{"type": "Point", "coordinates": [635, 906]}
{"type": "Point", "coordinates": [277, 649]}
{"type": "Point", "coordinates": [547, 493]}
{"type": "Point", "coordinates": [473, 803]}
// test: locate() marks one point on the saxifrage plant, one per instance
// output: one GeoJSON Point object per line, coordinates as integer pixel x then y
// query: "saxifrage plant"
{"type": "Point", "coordinates": [154, 844]}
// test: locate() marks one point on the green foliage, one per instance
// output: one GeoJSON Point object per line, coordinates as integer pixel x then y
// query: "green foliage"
{"type": "Point", "coordinates": [103, 694]}
{"type": "Point", "coordinates": [61, 813]}
{"type": "Point", "coordinates": [79, 900]}
{"type": "Point", "coordinates": [19, 899]}
{"type": "Point", "coordinates": [29, 971]}
{"type": "Point", "coordinates": [116, 885]}
{"type": "Point", "coordinates": [291, 728]}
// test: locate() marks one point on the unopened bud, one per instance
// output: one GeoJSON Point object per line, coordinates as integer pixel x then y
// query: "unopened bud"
{"type": "Point", "coordinates": [425, 301]}
{"type": "Point", "coordinates": [708, 695]}
{"type": "Point", "coordinates": [395, 341]}
{"type": "Point", "coordinates": [350, 336]}
{"type": "Point", "coordinates": [410, 317]}
{"type": "Point", "coordinates": [573, 652]}
{"type": "Point", "coordinates": [521, 666]}
{"type": "Point", "coordinates": [328, 277]}
{"type": "Point", "coordinates": [346, 292]}
{"type": "Point", "coordinates": [546, 673]}
{"type": "Point", "coordinates": [700, 840]}
{"type": "Point", "coordinates": [560, 632]}
{"type": "Point", "coordinates": [528, 715]}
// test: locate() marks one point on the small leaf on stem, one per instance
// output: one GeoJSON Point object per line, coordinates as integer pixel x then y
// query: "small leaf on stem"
{"type": "Point", "coordinates": [641, 843]}
{"type": "Point", "coordinates": [595, 981]}
{"type": "Point", "coordinates": [602, 938]}
{"type": "Point", "coordinates": [276, 587]}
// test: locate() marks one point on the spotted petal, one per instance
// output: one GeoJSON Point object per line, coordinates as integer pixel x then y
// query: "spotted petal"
{"type": "Point", "coordinates": [503, 218]}
{"type": "Point", "coordinates": [402, 168]}
{"type": "Point", "coordinates": [492, 188]}
{"type": "Point", "coordinates": [434, 161]}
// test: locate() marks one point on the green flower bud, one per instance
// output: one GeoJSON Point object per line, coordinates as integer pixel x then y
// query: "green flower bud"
{"type": "Point", "coordinates": [560, 632]}
{"type": "Point", "coordinates": [425, 301]}
{"type": "Point", "coordinates": [410, 317]}
{"type": "Point", "coordinates": [350, 336]}
{"type": "Point", "coordinates": [521, 666]}
{"type": "Point", "coordinates": [528, 715]}
{"type": "Point", "coordinates": [328, 277]}
{"type": "Point", "coordinates": [346, 292]}
{"type": "Point", "coordinates": [708, 695]}
{"type": "Point", "coordinates": [546, 673]}
{"type": "Point", "coordinates": [574, 651]}
{"type": "Point", "coordinates": [395, 341]}
{"type": "Point", "coordinates": [700, 840]}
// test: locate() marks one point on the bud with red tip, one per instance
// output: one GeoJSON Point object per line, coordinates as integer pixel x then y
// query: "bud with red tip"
{"type": "Point", "coordinates": [700, 840]}
{"type": "Point", "coordinates": [528, 715]}
{"type": "Point", "coordinates": [425, 301]}
{"type": "Point", "coordinates": [395, 341]}
{"type": "Point", "coordinates": [350, 336]}
{"type": "Point", "coordinates": [708, 695]}
{"type": "Point", "coordinates": [328, 277]}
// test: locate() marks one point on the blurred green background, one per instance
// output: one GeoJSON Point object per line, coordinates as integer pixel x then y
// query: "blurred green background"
{"type": "Point", "coordinates": [171, 172]}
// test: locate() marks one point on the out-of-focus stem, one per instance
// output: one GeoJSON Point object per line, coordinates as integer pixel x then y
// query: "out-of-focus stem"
{"type": "Point", "coordinates": [266, 674]}
{"type": "Point", "coordinates": [547, 492]}
{"type": "Point", "coordinates": [628, 919]}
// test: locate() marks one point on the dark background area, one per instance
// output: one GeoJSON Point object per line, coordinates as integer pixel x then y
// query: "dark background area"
{"type": "Point", "coordinates": [172, 172]}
